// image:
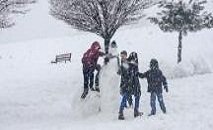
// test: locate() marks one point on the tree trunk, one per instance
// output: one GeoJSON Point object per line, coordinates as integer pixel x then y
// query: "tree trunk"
{"type": "Point", "coordinates": [106, 47]}
{"type": "Point", "coordinates": [179, 58]}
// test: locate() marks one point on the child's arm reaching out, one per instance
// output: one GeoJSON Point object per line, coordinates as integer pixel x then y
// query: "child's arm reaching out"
{"type": "Point", "coordinates": [142, 75]}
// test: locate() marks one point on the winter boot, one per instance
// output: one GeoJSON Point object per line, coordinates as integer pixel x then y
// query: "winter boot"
{"type": "Point", "coordinates": [84, 94]}
{"type": "Point", "coordinates": [137, 113]}
{"type": "Point", "coordinates": [152, 114]}
{"type": "Point", "coordinates": [121, 116]}
{"type": "Point", "coordinates": [97, 89]}
{"type": "Point", "coordinates": [92, 89]}
{"type": "Point", "coordinates": [164, 110]}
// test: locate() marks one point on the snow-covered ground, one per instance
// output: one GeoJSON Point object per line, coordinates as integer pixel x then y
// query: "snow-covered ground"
{"type": "Point", "coordinates": [189, 106]}
{"type": "Point", "coordinates": [35, 94]}
{"type": "Point", "coordinates": [38, 95]}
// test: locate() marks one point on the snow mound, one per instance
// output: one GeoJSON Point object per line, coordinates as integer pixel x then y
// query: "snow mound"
{"type": "Point", "coordinates": [84, 108]}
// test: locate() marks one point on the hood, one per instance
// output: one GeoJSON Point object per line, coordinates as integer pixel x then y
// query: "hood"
{"type": "Point", "coordinates": [95, 46]}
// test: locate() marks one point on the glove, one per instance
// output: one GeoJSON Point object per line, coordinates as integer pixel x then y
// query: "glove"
{"type": "Point", "coordinates": [166, 89]}
{"type": "Point", "coordinates": [137, 73]}
{"type": "Point", "coordinates": [106, 60]}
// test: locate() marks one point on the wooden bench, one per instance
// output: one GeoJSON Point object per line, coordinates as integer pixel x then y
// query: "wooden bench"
{"type": "Point", "coordinates": [62, 57]}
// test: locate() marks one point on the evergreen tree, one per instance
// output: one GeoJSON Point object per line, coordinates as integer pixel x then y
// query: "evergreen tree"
{"type": "Point", "coordinates": [8, 8]}
{"type": "Point", "coordinates": [182, 17]}
{"type": "Point", "coordinates": [102, 17]}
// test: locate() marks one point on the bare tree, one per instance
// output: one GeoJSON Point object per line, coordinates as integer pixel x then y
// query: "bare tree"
{"type": "Point", "coordinates": [102, 17]}
{"type": "Point", "coordinates": [8, 8]}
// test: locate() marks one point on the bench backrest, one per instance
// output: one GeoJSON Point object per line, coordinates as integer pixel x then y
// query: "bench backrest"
{"type": "Point", "coordinates": [68, 55]}
{"type": "Point", "coordinates": [63, 57]}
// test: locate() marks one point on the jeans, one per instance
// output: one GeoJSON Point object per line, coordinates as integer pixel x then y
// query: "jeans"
{"type": "Point", "coordinates": [153, 103]}
{"type": "Point", "coordinates": [124, 101]}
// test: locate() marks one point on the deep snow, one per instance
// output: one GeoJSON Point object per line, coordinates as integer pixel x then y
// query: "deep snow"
{"type": "Point", "coordinates": [36, 95]}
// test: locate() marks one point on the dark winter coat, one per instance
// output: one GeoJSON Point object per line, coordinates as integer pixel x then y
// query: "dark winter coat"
{"type": "Point", "coordinates": [155, 79]}
{"type": "Point", "coordinates": [124, 72]}
{"type": "Point", "coordinates": [133, 79]}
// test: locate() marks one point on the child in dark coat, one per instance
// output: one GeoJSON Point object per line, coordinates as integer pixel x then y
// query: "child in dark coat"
{"type": "Point", "coordinates": [155, 79]}
{"type": "Point", "coordinates": [124, 84]}
{"type": "Point", "coordinates": [135, 86]}
{"type": "Point", "coordinates": [129, 83]}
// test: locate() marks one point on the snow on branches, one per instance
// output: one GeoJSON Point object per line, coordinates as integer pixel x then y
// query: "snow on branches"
{"type": "Point", "coordinates": [102, 17]}
{"type": "Point", "coordinates": [183, 16]}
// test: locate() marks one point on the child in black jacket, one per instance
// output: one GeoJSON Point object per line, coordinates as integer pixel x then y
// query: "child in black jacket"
{"type": "Point", "coordinates": [129, 83]}
{"type": "Point", "coordinates": [155, 79]}
{"type": "Point", "coordinates": [124, 84]}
